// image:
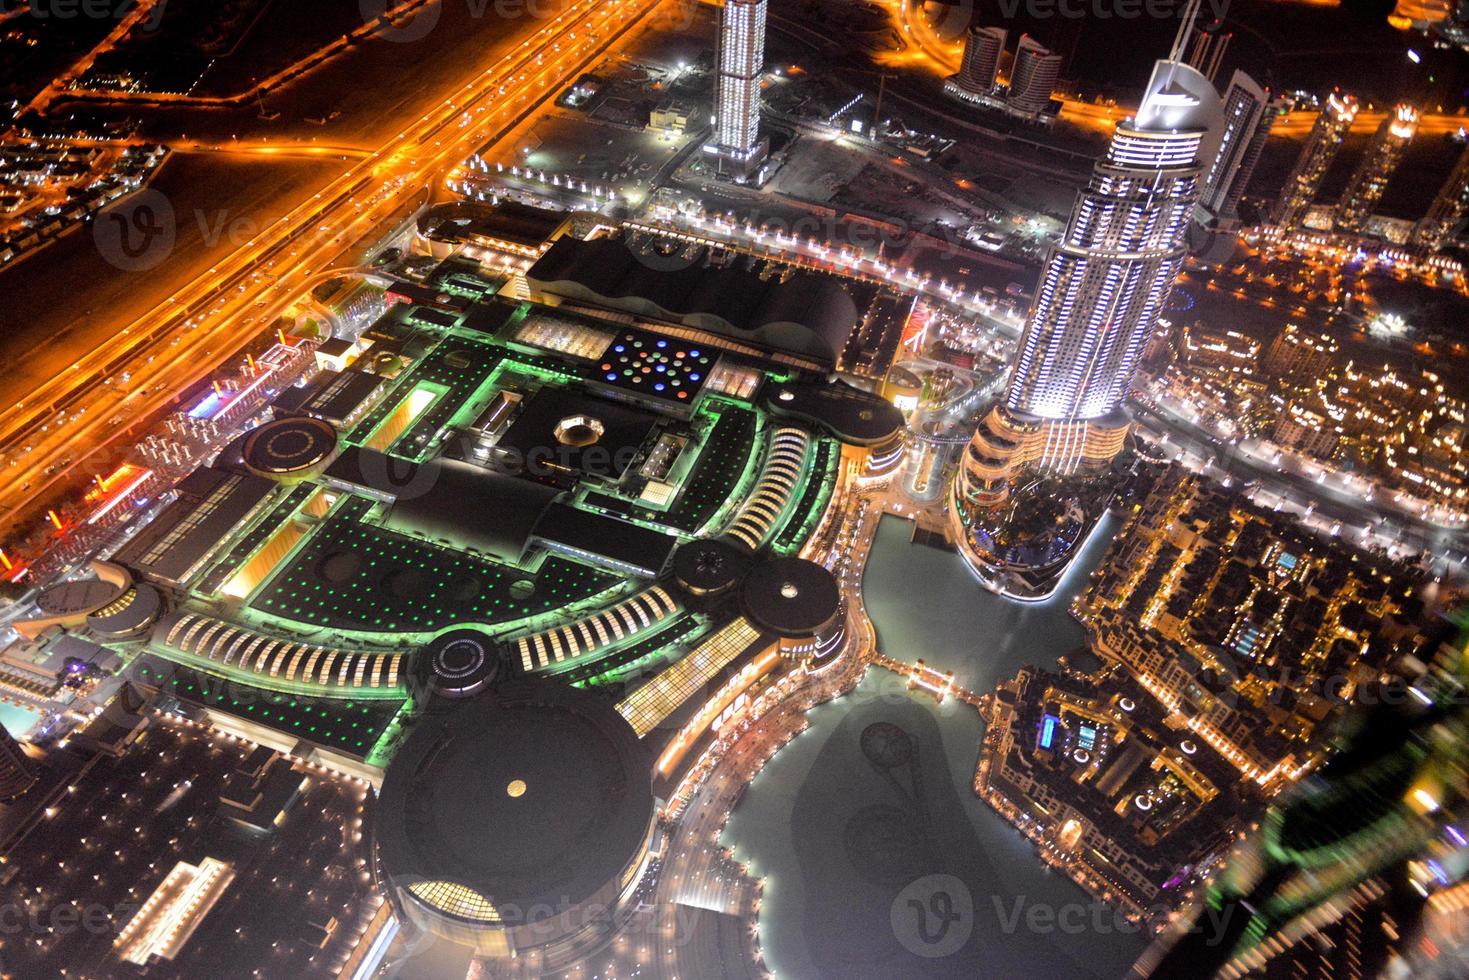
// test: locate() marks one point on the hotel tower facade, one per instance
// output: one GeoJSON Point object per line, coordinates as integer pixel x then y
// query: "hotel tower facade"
{"type": "Point", "coordinates": [1104, 285]}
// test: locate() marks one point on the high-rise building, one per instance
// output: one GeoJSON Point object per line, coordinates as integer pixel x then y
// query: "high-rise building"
{"type": "Point", "coordinates": [17, 771]}
{"type": "Point", "coordinates": [1369, 180]}
{"type": "Point", "coordinates": [982, 49]}
{"type": "Point", "coordinates": [1248, 116]}
{"type": "Point", "coordinates": [1448, 210]}
{"type": "Point", "coordinates": [1033, 76]}
{"type": "Point", "coordinates": [737, 141]}
{"type": "Point", "coordinates": [1103, 287]}
{"type": "Point", "coordinates": [1322, 146]}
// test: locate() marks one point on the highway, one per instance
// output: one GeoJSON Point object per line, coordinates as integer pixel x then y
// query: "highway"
{"type": "Point", "coordinates": [54, 427]}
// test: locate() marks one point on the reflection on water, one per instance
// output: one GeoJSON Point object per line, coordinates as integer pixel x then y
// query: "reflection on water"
{"type": "Point", "coordinates": [877, 795]}
{"type": "Point", "coordinates": [927, 605]}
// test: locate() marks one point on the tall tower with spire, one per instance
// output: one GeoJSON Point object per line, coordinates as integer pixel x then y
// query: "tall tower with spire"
{"type": "Point", "coordinates": [1104, 285]}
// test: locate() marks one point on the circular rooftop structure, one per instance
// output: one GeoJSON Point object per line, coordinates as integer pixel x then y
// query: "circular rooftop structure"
{"type": "Point", "coordinates": [792, 597]}
{"type": "Point", "coordinates": [579, 431]}
{"type": "Point", "coordinates": [459, 663]}
{"type": "Point", "coordinates": [709, 566]}
{"type": "Point", "coordinates": [78, 597]}
{"type": "Point", "coordinates": [290, 447]}
{"type": "Point", "coordinates": [129, 614]}
{"type": "Point", "coordinates": [503, 818]}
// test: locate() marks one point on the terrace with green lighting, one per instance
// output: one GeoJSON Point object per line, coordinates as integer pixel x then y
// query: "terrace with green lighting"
{"type": "Point", "coordinates": [639, 654]}
{"type": "Point", "coordinates": [819, 483]}
{"type": "Point", "coordinates": [350, 725]}
{"type": "Point", "coordinates": [345, 564]}
{"type": "Point", "coordinates": [250, 541]}
{"type": "Point", "coordinates": [353, 576]}
{"type": "Point", "coordinates": [726, 461]}
{"type": "Point", "coordinates": [452, 373]}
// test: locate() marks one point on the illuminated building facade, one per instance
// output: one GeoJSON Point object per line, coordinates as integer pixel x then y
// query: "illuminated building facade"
{"type": "Point", "coordinates": [1032, 76]}
{"type": "Point", "coordinates": [1322, 146]}
{"type": "Point", "coordinates": [1298, 353]}
{"type": "Point", "coordinates": [1229, 350]}
{"type": "Point", "coordinates": [1370, 178]}
{"type": "Point", "coordinates": [1224, 612]}
{"type": "Point", "coordinates": [1103, 287]}
{"type": "Point", "coordinates": [1448, 210]}
{"type": "Point", "coordinates": [1109, 795]}
{"type": "Point", "coordinates": [1248, 115]}
{"type": "Point", "coordinates": [741, 61]}
{"type": "Point", "coordinates": [1108, 278]}
{"type": "Point", "coordinates": [1303, 431]}
{"type": "Point", "coordinates": [982, 49]}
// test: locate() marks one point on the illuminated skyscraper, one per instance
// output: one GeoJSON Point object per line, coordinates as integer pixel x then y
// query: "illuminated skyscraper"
{"type": "Point", "coordinates": [741, 58]}
{"type": "Point", "coordinates": [1370, 178]}
{"type": "Point", "coordinates": [1107, 279]}
{"type": "Point", "coordinates": [1448, 210]}
{"type": "Point", "coordinates": [1101, 292]}
{"type": "Point", "coordinates": [1322, 146]}
{"type": "Point", "coordinates": [982, 49]}
{"type": "Point", "coordinates": [1032, 76]}
{"type": "Point", "coordinates": [1248, 116]}
{"type": "Point", "coordinates": [17, 771]}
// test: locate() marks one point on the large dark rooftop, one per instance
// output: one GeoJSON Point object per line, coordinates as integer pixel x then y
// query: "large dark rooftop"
{"type": "Point", "coordinates": [568, 430]}
{"type": "Point", "coordinates": [535, 794]}
{"type": "Point", "coordinates": [791, 596]}
{"type": "Point", "coordinates": [803, 313]}
{"type": "Point", "coordinates": [464, 505]}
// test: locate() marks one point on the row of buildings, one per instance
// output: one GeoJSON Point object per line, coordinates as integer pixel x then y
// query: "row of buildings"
{"type": "Point", "coordinates": [1031, 77]}
{"type": "Point", "coordinates": [1402, 428]}
{"type": "Point", "coordinates": [1297, 206]}
{"type": "Point", "coordinates": [1231, 641]}
{"type": "Point", "coordinates": [1249, 630]}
